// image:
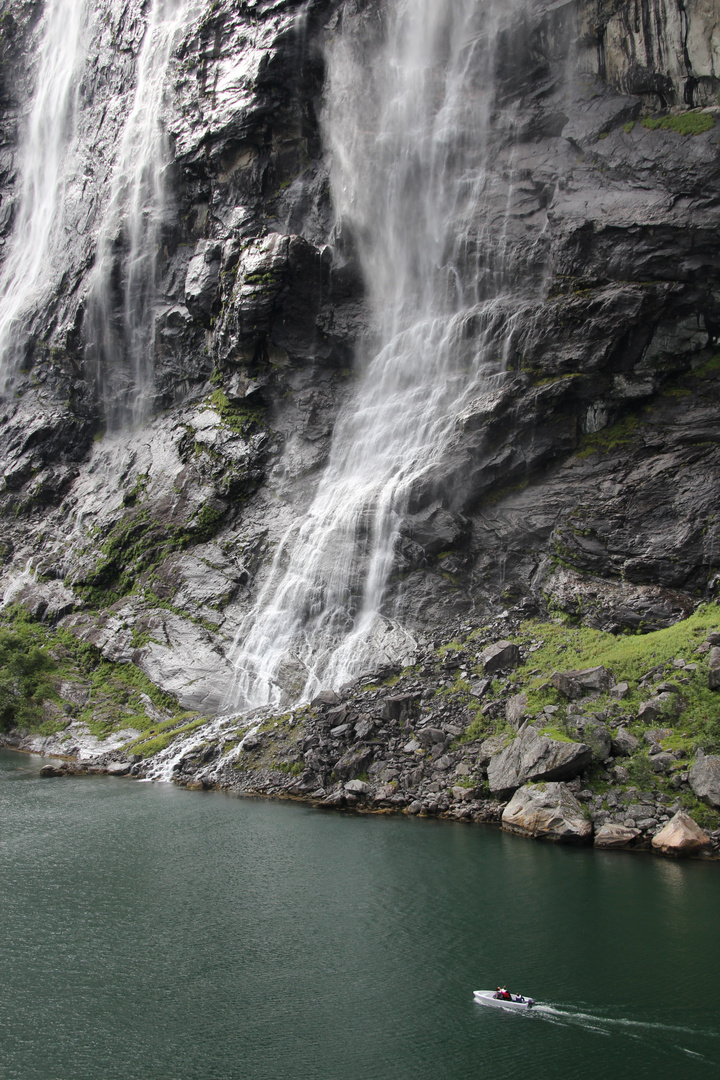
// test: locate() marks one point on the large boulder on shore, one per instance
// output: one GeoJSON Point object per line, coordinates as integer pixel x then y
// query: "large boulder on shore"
{"type": "Point", "coordinates": [576, 684]}
{"type": "Point", "coordinates": [616, 836]}
{"type": "Point", "coordinates": [681, 836]}
{"type": "Point", "coordinates": [704, 779]}
{"type": "Point", "coordinates": [535, 757]}
{"type": "Point", "coordinates": [547, 812]}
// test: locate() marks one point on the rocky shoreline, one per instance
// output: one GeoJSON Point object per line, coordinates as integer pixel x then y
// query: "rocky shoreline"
{"type": "Point", "coordinates": [463, 734]}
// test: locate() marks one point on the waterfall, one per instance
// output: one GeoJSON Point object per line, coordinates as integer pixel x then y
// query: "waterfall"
{"type": "Point", "coordinates": [33, 263]}
{"type": "Point", "coordinates": [413, 134]}
{"type": "Point", "coordinates": [123, 293]}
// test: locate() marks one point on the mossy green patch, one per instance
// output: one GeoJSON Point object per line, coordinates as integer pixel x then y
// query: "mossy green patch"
{"type": "Point", "coordinates": [611, 438]}
{"type": "Point", "coordinates": [688, 123]}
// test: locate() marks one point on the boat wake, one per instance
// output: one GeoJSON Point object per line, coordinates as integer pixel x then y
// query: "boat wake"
{"type": "Point", "coordinates": [635, 1029]}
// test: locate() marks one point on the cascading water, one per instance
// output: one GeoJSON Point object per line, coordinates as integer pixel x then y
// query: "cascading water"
{"type": "Point", "coordinates": [34, 262]}
{"type": "Point", "coordinates": [411, 141]}
{"type": "Point", "coordinates": [123, 294]}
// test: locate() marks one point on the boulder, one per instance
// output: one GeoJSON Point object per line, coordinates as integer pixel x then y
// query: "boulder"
{"type": "Point", "coordinates": [491, 746]}
{"type": "Point", "coordinates": [596, 735]}
{"type": "Point", "coordinates": [577, 684]}
{"type": "Point", "coordinates": [548, 812]}
{"type": "Point", "coordinates": [325, 697]}
{"type": "Point", "coordinates": [620, 691]}
{"type": "Point", "coordinates": [667, 704]}
{"type": "Point", "coordinates": [714, 669]}
{"type": "Point", "coordinates": [430, 736]}
{"type": "Point", "coordinates": [704, 779]}
{"type": "Point", "coordinates": [357, 787]}
{"type": "Point", "coordinates": [533, 756]}
{"type": "Point", "coordinates": [499, 657]}
{"type": "Point", "coordinates": [681, 836]}
{"type": "Point", "coordinates": [515, 709]}
{"type": "Point", "coordinates": [616, 836]}
{"type": "Point", "coordinates": [118, 768]}
{"type": "Point", "coordinates": [353, 762]}
{"type": "Point", "coordinates": [399, 707]}
{"type": "Point", "coordinates": [52, 770]}
{"type": "Point", "coordinates": [624, 743]}
{"type": "Point", "coordinates": [660, 763]}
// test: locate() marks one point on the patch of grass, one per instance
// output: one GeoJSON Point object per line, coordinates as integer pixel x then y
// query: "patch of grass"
{"type": "Point", "coordinates": [705, 816]}
{"type": "Point", "coordinates": [689, 123]}
{"type": "Point", "coordinates": [243, 419]}
{"type": "Point", "coordinates": [558, 734]}
{"type": "Point", "coordinates": [709, 369]}
{"type": "Point", "coordinates": [160, 736]}
{"type": "Point", "coordinates": [611, 438]}
{"type": "Point", "coordinates": [26, 666]}
{"type": "Point", "coordinates": [627, 128]}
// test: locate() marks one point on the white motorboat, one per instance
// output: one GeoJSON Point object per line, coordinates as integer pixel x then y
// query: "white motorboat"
{"type": "Point", "coordinates": [487, 997]}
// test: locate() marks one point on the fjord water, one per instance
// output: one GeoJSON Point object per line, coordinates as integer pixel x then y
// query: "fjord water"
{"type": "Point", "coordinates": [412, 126]}
{"type": "Point", "coordinates": [152, 933]}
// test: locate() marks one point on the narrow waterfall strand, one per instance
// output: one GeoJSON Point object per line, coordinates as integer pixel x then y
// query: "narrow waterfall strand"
{"type": "Point", "coordinates": [121, 349]}
{"type": "Point", "coordinates": [34, 260]}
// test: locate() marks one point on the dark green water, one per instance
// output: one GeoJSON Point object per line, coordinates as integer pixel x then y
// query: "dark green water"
{"type": "Point", "coordinates": [155, 934]}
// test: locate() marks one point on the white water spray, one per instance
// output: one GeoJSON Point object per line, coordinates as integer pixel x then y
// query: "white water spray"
{"type": "Point", "coordinates": [410, 139]}
{"type": "Point", "coordinates": [34, 261]}
{"type": "Point", "coordinates": [121, 305]}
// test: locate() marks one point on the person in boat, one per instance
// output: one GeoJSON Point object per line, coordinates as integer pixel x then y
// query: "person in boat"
{"type": "Point", "coordinates": [502, 994]}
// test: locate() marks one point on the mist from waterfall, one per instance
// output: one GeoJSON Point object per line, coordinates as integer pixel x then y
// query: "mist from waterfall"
{"type": "Point", "coordinates": [34, 260]}
{"type": "Point", "coordinates": [410, 138]}
{"type": "Point", "coordinates": [120, 324]}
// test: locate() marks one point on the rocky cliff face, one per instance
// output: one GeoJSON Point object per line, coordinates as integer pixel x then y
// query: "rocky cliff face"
{"type": "Point", "coordinates": [586, 481]}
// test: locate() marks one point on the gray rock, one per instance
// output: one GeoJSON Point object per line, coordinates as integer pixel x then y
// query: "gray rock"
{"type": "Point", "coordinates": [353, 762]}
{"type": "Point", "coordinates": [593, 732]}
{"type": "Point", "coordinates": [534, 757]}
{"type": "Point", "coordinates": [491, 746]}
{"type": "Point", "coordinates": [714, 668]}
{"type": "Point", "coordinates": [624, 743]}
{"type": "Point", "coordinates": [118, 768]}
{"type": "Point", "coordinates": [620, 691]}
{"type": "Point", "coordinates": [357, 787]}
{"type": "Point", "coordinates": [399, 707]}
{"type": "Point", "coordinates": [704, 779]}
{"type": "Point", "coordinates": [616, 836]}
{"type": "Point", "coordinates": [499, 657]}
{"type": "Point", "coordinates": [664, 705]}
{"type": "Point", "coordinates": [577, 684]}
{"type": "Point", "coordinates": [430, 736]}
{"type": "Point", "coordinates": [660, 763]}
{"type": "Point", "coordinates": [201, 280]}
{"type": "Point", "coordinates": [515, 709]}
{"type": "Point", "coordinates": [548, 812]}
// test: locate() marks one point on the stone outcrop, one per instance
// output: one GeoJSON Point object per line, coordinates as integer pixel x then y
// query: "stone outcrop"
{"type": "Point", "coordinates": [547, 812]}
{"type": "Point", "coordinates": [577, 684]}
{"type": "Point", "coordinates": [681, 836]}
{"type": "Point", "coordinates": [533, 757]}
{"type": "Point", "coordinates": [704, 778]}
{"type": "Point", "coordinates": [616, 836]}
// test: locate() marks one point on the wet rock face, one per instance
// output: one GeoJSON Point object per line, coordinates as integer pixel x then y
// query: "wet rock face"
{"type": "Point", "coordinates": [587, 479]}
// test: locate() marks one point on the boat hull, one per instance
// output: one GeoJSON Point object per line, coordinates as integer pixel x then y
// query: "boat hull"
{"type": "Point", "coordinates": [487, 997]}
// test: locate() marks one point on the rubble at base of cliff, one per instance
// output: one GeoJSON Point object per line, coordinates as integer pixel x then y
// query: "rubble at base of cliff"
{"type": "Point", "coordinates": [458, 735]}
